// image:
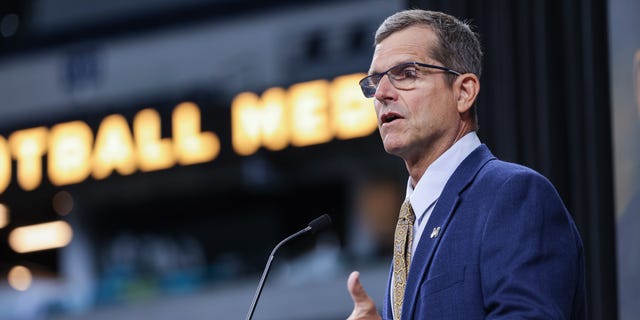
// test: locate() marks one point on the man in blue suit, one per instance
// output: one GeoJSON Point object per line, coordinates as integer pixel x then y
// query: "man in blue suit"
{"type": "Point", "coordinates": [477, 238]}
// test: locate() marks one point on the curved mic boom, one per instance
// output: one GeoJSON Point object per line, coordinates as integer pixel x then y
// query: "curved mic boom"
{"type": "Point", "coordinates": [318, 224]}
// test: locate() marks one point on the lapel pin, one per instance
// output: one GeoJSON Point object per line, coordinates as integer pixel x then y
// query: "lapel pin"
{"type": "Point", "coordinates": [435, 232]}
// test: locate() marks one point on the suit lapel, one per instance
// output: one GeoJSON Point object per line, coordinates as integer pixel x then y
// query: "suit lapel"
{"type": "Point", "coordinates": [387, 312]}
{"type": "Point", "coordinates": [438, 221]}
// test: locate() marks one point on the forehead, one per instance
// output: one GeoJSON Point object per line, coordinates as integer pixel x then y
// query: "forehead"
{"type": "Point", "coordinates": [410, 44]}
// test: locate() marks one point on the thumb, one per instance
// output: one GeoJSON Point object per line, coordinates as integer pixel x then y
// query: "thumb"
{"type": "Point", "coordinates": [358, 294]}
{"type": "Point", "coordinates": [363, 306]}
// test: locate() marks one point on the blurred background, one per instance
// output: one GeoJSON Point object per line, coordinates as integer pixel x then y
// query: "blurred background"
{"type": "Point", "coordinates": [152, 153]}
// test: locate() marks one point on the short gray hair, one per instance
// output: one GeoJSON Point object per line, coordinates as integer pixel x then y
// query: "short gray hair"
{"type": "Point", "coordinates": [458, 47]}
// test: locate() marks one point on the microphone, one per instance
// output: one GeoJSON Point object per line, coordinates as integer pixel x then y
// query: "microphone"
{"type": "Point", "coordinates": [318, 224]}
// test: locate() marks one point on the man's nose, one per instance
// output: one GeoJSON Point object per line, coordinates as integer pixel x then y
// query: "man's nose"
{"type": "Point", "coordinates": [385, 90]}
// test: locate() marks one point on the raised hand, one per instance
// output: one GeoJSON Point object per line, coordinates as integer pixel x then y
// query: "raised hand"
{"type": "Point", "coordinates": [363, 306]}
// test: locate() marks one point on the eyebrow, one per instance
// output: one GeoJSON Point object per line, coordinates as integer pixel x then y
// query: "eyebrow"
{"type": "Point", "coordinates": [372, 72]}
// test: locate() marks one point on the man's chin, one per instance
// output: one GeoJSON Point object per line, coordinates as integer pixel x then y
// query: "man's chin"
{"type": "Point", "coordinates": [393, 149]}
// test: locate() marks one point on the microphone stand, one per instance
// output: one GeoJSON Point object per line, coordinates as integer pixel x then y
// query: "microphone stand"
{"type": "Point", "coordinates": [265, 273]}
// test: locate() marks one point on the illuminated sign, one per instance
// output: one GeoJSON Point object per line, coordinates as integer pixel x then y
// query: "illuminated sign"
{"type": "Point", "coordinates": [306, 114]}
{"type": "Point", "coordinates": [73, 154]}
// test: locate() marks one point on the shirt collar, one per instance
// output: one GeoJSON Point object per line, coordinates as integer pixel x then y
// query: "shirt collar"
{"type": "Point", "coordinates": [430, 186]}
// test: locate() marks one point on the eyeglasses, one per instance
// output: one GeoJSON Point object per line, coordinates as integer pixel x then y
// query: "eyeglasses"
{"type": "Point", "coordinates": [402, 76]}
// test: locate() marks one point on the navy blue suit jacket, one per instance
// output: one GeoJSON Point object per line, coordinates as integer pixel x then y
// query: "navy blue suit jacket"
{"type": "Point", "coordinates": [507, 249]}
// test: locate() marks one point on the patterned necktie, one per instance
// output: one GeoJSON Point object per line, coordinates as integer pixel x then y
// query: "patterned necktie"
{"type": "Point", "coordinates": [402, 245]}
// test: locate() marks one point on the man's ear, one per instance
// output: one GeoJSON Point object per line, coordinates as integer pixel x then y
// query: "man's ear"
{"type": "Point", "coordinates": [468, 87]}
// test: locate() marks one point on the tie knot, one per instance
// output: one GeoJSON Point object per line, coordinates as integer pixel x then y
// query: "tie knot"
{"type": "Point", "coordinates": [406, 212]}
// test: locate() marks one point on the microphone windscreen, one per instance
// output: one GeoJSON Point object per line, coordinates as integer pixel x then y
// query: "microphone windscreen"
{"type": "Point", "coordinates": [320, 223]}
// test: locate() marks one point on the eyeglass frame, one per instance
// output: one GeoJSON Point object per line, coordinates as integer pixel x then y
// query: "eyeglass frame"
{"type": "Point", "coordinates": [380, 75]}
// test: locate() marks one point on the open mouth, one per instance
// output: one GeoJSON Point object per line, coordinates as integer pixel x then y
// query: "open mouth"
{"type": "Point", "coordinates": [389, 117]}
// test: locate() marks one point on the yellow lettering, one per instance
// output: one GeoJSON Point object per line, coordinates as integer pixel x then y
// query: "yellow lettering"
{"type": "Point", "coordinates": [191, 145]}
{"type": "Point", "coordinates": [113, 148]}
{"type": "Point", "coordinates": [5, 165]}
{"type": "Point", "coordinates": [28, 146]}
{"type": "Point", "coordinates": [353, 115]}
{"type": "Point", "coordinates": [255, 122]}
{"type": "Point", "coordinates": [69, 153]}
{"type": "Point", "coordinates": [154, 153]}
{"type": "Point", "coordinates": [309, 109]}
{"type": "Point", "coordinates": [306, 114]}
{"type": "Point", "coordinates": [245, 123]}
